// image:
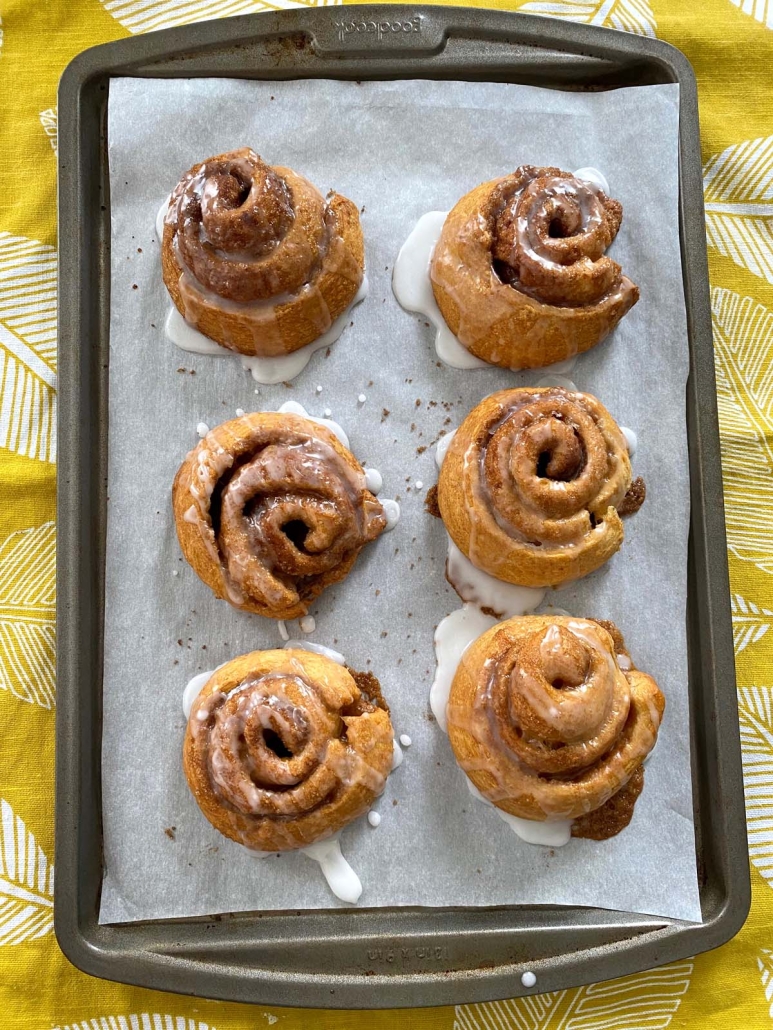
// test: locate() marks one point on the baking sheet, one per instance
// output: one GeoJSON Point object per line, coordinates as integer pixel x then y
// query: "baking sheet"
{"type": "Point", "coordinates": [398, 149]}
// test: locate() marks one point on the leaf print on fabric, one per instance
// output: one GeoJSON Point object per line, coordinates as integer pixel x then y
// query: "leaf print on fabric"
{"type": "Point", "coordinates": [27, 347]}
{"type": "Point", "coordinates": [49, 119]}
{"type": "Point", "coordinates": [628, 15]}
{"type": "Point", "coordinates": [27, 610]}
{"type": "Point", "coordinates": [755, 713]}
{"type": "Point", "coordinates": [765, 966]}
{"type": "Point", "coordinates": [760, 10]}
{"type": "Point", "coordinates": [143, 1021]}
{"type": "Point", "coordinates": [148, 15]}
{"type": "Point", "coordinates": [750, 623]}
{"type": "Point", "coordinates": [647, 999]}
{"type": "Point", "coordinates": [26, 883]}
{"type": "Point", "coordinates": [743, 355]}
{"type": "Point", "coordinates": [738, 192]}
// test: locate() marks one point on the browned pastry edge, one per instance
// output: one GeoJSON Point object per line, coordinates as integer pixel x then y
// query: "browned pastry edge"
{"type": "Point", "coordinates": [363, 727]}
{"type": "Point", "coordinates": [297, 325]}
{"type": "Point", "coordinates": [192, 543]}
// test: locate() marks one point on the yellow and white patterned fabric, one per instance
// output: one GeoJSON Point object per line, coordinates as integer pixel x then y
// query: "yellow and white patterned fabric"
{"type": "Point", "coordinates": [730, 43]}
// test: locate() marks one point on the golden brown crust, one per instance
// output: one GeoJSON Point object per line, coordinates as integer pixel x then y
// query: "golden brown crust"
{"type": "Point", "coordinates": [244, 483]}
{"type": "Point", "coordinates": [554, 296]}
{"type": "Point", "coordinates": [529, 486]}
{"type": "Point", "coordinates": [544, 721]}
{"type": "Point", "coordinates": [282, 750]}
{"type": "Point", "coordinates": [614, 815]}
{"type": "Point", "coordinates": [289, 287]}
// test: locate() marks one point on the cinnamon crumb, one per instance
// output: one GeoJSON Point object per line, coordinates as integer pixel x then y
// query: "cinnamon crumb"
{"type": "Point", "coordinates": [169, 831]}
{"type": "Point", "coordinates": [369, 687]}
{"type": "Point", "coordinates": [135, 286]}
{"type": "Point", "coordinates": [430, 502]}
{"type": "Point", "coordinates": [618, 640]}
{"type": "Point", "coordinates": [286, 383]}
{"type": "Point", "coordinates": [418, 402]}
{"type": "Point", "coordinates": [421, 450]}
{"type": "Point", "coordinates": [490, 611]}
{"type": "Point", "coordinates": [394, 801]}
{"type": "Point", "coordinates": [634, 499]}
{"type": "Point", "coordinates": [385, 414]}
{"type": "Point", "coordinates": [182, 369]}
{"type": "Point", "coordinates": [328, 352]}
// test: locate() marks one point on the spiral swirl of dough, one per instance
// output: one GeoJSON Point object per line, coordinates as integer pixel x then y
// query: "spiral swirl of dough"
{"type": "Point", "coordinates": [544, 721]}
{"type": "Point", "coordinates": [530, 484]}
{"type": "Point", "coordinates": [282, 749]}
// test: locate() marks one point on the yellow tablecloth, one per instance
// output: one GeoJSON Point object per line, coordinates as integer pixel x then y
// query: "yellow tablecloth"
{"type": "Point", "coordinates": [730, 43]}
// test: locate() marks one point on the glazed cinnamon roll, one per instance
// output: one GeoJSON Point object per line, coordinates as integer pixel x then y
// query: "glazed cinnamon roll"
{"type": "Point", "coordinates": [550, 720]}
{"type": "Point", "coordinates": [256, 258]}
{"type": "Point", "coordinates": [530, 484]}
{"type": "Point", "coordinates": [283, 749]}
{"type": "Point", "coordinates": [520, 272]}
{"type": "Point", "coordinates": [270, 509]}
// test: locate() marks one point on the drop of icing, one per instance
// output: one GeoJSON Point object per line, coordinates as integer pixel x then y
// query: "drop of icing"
{"type": "Point", "coordinates": [528, 979]}
{"type": "Point", "coordinates": [593, 176]}
{"type": "Point", "coordinates": [442, 447]}
{"type": "Point", "coordinates": [310, 645]}
{"type": "Point", "coordinates": [405, 740]}
{"type": "Point", "coordinates": [280, 625]}
{"type": "Point", "coordinates": [374, 818]}
{"type": "Point", "coordinates": [307, 624]}
{"type": "Point", "coordinates": [391, 513]}
{"type": "Point", "coordinates": [553, 833]}
{"type": "Point", "coordinates": [631, 439]}
{"type": "Point", "coordinates": [397, 755]}
{"type": "Point", "coordinates": [193, 689]}
{"type": "Point", "coordinates": [341, 878]}
{"type": "Point", "coordinates": [453, 636]}
{"type": "Point", "coordinates": [475, 586]}
{"type": "Point", "coordinates": [373, 480]}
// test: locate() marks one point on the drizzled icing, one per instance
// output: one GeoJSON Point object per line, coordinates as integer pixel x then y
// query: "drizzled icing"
{"type": "Point", "coordinates": [257, 259]}
{"type": "Point", "coordinates": [544, 721]}
{"type": "Point", "coordinates": [511, 255]}
{"type": "Point", "coordinates": [495, 595]}
{"type": "Point", "coordinates": [285, 476]}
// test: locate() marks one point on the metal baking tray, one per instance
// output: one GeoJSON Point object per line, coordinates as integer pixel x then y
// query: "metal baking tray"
{"type": "Point", "coordinates": [392, 956]}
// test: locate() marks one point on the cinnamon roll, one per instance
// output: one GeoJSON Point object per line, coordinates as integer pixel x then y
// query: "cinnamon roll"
{"type": "Point", "coordinates": [530, 485]}
{"type": "Point", "coordinates": [550, 720]}
{"type": "Point", "coordinates": [256, 258]}
{"type": "Point", "coordinates": [270, 509]}
{"type": "Point", "coordinates": [520, 272]}
{"type": "Point", "coordinates": [283, 749]}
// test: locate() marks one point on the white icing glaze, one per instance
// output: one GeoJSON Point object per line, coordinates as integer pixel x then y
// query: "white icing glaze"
{"type": "Point", "coordinates": [397, 756]}
{"type": "Point", "coordinates": [309, 645]}
{"type": "Point", "coordinates": [361, 399]}
{"type": "Point", "coordinates": [392, 514]}
{"type": "Point", "coordinates": [557, 380]}
{"type": "Point", "coordinates": [373, 480]}
{"type": "Point", "coordinates": [239, 412]}
{"type": "Point", "coordinates": [419, 484]}
{"type": "Point", "coordinates": [552, 833]}
{"type": "Point", "coordinates": [341, 878]}
{"type": "Point", "coordinates": [442, 447]}
{"type": "Point", "coordinates": [624, 662]}
{"type": "Point", "coordinates": [405, 740]}
{"type": "Point", "coordinates": [277, 369]}
{"type": "Point", "coordinates": [307, 624]}
{"type": "Point", "coordinates": [374, 818]}
{"type": "Point", "coordinates": [280, 625]}
{"type": "Point", "coordinates": [477, 587]}
{"type": "Point", "coordinates": [413, 289]}
{"type": "Point", "coordinates": [528, 979]}
{"type": "Point", "coordinates": [453, 636]}
{"type": "Point", "coordinates": [202, 429]}
{"type": "Point", "coordinates": [594, 176]}
{"type": "Point", "coordinates": [631, 439]}
{"type": "Point", "coordinates": [160, 221]}
{"type": "Point", "coordinates": [294, 408]}
{"type": "Point", "coordinates": [193, 689]}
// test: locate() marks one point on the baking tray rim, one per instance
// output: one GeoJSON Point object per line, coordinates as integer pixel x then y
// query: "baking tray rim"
{"type": "Point", "coordinates": [100, 950]}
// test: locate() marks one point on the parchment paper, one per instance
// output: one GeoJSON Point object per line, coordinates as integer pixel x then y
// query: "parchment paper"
{"type": "Point", "coordinates": [398, 149]}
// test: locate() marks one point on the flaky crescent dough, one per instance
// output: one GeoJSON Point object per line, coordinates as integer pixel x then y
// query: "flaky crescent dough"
{"type": "Point", "coordinates": [530, 484]}
{"type": "Point", "coordinates": [270, 509]}
{"type": "Point", "coordinates": [545, 722]}
{"type": "Point", "coordinates": [511, 291]}
{"type": "Point", "coordinates": [255, 258]}
{"type": "Point", "coordinates": [282, 749]}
